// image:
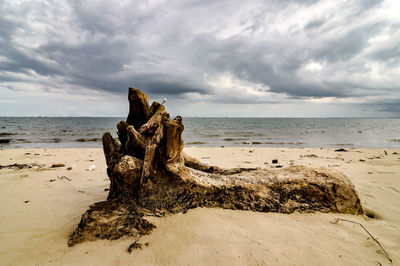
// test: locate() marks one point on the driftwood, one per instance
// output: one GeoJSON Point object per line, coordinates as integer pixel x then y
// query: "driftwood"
{"type": "Point", "coordinates": [150, 175]}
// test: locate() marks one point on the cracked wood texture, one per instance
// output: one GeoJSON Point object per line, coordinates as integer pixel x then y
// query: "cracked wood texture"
{"type": "Point", "coordinates": [150, 175]}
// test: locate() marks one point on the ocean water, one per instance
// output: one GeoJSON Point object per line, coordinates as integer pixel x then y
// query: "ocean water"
{"type": "Point", "coordinates": [75, 132]}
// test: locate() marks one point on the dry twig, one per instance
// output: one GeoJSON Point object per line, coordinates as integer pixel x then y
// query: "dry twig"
{"type": "Point", "coordinates": [63, 177]}
{"type": "Point", "coordinates": [365, 229]}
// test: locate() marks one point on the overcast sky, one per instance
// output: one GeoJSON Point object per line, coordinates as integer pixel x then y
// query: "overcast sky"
{"type": "Point", "coordinates": [298, 58]}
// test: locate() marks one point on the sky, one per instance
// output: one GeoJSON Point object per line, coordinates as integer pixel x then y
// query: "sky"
{"type": "Point", "coordinates": [271, 58]}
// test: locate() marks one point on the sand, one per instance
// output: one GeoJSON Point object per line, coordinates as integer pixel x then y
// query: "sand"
{"type": "Point", "coordinates": [37, 215]}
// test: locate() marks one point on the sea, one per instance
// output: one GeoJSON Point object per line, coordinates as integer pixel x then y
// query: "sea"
{"type": "Point", "coordinates": [86, 132]}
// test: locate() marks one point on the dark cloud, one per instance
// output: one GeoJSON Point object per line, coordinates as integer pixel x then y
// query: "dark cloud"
{"type": "Point", "coordinates": [313, 24]}
{"type": "Point", "coordinates": [391, 107]}
{"type": "Point", "coordinates": [365, 5]}
{"type": "Point", "coordinates": [348, 45]}
{"type": "Point", "coordinates": [389, 55]}
{"type": "Point", "coordinates": [387, 106]}
{"type": "Point", "coordinates": [20, 62]}
{"type": "Point", "coordinates": [7, 27]}
{"type": "Point", "coordinates": [295, 49]}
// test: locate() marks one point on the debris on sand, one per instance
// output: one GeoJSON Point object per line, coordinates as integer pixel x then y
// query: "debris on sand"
{"type": "Point", "coordinates": [19, 166]}
{"type": "Point", "coordinates": [55, 165]}
{"type": "Point", "coordinates": [309, 156]}
{"type": "Point", "coordinates": [134, 245]}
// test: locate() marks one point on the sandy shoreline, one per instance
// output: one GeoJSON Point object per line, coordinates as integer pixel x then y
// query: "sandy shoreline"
{"type": "Point", "coordinates": [38, 215]}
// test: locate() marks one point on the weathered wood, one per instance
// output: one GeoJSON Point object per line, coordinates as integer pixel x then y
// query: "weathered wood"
{"type": "Point", "coordinates": [112, 149]}
{"type": "Point", "coordinates": [150, 127]}
{"type": "Point", "coordinates": [149, 174]}
{"type": "Point", "coordinates": [139, 109]}
{"type": "Point", "coordinates": [122, 134]}
{"type": "Point", "coordinates": [196, 164]}
{"type": "Point", "coordinates": [135, 143]}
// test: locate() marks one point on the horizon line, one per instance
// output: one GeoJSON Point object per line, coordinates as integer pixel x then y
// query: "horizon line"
{"type": "Point", "coordinates": [290, 117]}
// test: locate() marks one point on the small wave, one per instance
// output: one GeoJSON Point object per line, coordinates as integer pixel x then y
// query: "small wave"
{"type": "Point", "coordinates": [195, 143]}
{"type": "Point", "coordinates": [6, 141]}
{"type": "Point", "coordinates": [271, 143]}
{"type": "Point", "coordinates": [395, 140]}
{"type": "Point", "coordinates": [54, 140]}
{"type": "Point", "coordinates": [88, 140]}
{"type": "Point", "coordinates": [233, 139]}
{"type": "Point", "coordinates": [249, 135]}
{"type": "Point", "coordinates": [5, 134]}
{"type": "Point", "coordinates": [344, 144]}
{"type": "Point", "coordinates": [22, 140]}
{"type": "Point", "coordinates": [284, 143]}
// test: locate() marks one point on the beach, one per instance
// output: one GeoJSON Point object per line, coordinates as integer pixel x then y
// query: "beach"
{"type": "Point", "coordinates": [42, 205]}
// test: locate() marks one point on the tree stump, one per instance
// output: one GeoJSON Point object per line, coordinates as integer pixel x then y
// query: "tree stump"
{"type": "Point", "coordinates": [150, 175]}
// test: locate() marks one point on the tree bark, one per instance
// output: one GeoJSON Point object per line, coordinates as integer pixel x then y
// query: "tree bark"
{"type": "Point", "coordinates": [150, 175]}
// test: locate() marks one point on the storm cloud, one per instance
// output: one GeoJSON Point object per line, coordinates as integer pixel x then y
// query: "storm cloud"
{"type": "Point", "coordinates": [209, 57]}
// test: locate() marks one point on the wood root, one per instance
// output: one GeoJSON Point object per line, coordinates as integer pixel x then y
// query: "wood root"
{"type": "Point", "coordinates": [150, 175]}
